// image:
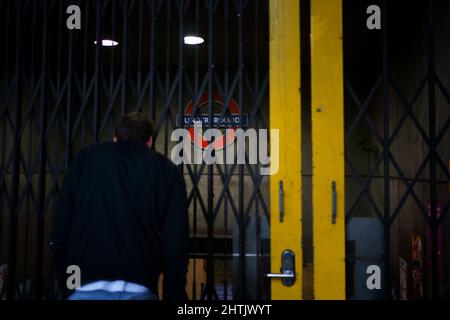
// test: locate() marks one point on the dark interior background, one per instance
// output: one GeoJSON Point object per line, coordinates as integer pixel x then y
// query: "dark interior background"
{"type": "Point", "coordinates": [60, 92]}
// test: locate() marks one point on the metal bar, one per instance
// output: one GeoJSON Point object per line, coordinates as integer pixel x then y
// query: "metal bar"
{"type": "Point", "coordinates": [226, 87]}
{"type": "Point", "coordinates": [363, 188]}
{"type": "Point", "coordinates": [70, 73]}
{"type": "Point", "coordinates": [362, 107]}
{"type": "Point", "coordinates": [242, 234]}
{"type": "Point", "coordinates": [196, 88]}
{"type": "Point", "coordinates": [386, 154]}
{"type": "Point", "coordinates": [409, 191]}
{"type": "Point", "coordinates": [139, 63]}
{"type": "Point", "coordinates": [29, 173]}
{"type": "Point", "coordinates": [13, 214]}
{"type": "Point", "coordinates": [98, 70]}
{"type": "Point", "coordinates": [42, 157]}
{"type": "Point", "coordinates": [168, 90]}
{"type": "Point", "coordinates": [259, 265]}
{"type": "Point", "coordinates": [442, 88]}
{"type": "Point", "coordinates": [432, 145]}
{"type": "Point", "coordinates": [327, 110]}
{"type": "Point", "coordinates": [152, 43]}
{"type": "Point", "coordinates": [285, 116]}
{"type": "Point", "coordinates": [210, 221]}
{"type": "Point", "coordinates": [408, 107]}
{"type": "Point", "coordinates": [181, 57]}
{"type": "Point", "coordinates": [86, 89]}
{"type": "Point", "coordinates": [124, 73]}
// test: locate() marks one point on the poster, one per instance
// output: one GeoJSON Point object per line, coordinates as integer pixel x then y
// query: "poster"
{"type": "Point", "coordinates": [403, 279]}
{"type": "Point", "coordinates": [3, 271]}
{"type": "Point", "coordinates": [417, 287]}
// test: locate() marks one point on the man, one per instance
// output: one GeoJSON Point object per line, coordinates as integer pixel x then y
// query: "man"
{"type": "Point", "coordinates": [121, 217]}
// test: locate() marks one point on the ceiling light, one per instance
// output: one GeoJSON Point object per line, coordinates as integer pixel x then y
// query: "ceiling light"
{"type": "Point", "coordinates": [108, 43]}
{"type": "Point", "coordinates": [193, 40]}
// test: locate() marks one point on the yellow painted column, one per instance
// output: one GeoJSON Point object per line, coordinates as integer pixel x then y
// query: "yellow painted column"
{"type": "Point", "coordinates": [328, 149]}
{"type": "Point", "coordinates": [286, 117]}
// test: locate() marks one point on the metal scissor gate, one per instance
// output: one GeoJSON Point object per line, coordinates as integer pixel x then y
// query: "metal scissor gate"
{"type": "Point", "coordinates": [61, 92]}
{"type": "Point", "coordinates": [363, 120]}
{"type": "Point", "coordinates": [397, 141]}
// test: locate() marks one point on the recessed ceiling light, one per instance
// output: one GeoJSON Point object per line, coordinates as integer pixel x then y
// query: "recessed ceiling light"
{"type": "Point", "coordinates": [193, 40]}
{"type": "Point", "coordinates": [108, 43]}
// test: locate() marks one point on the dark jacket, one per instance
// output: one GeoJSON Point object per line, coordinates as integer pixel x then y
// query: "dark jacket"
{"type": "Point", "coordinates": [121, 215]}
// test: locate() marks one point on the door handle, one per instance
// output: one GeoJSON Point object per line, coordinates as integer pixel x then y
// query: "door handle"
{"type": "Point", "coordinates": [280, 200]}
{"type": "Point", "coordinates": [280, 275]}
{"type": "Point", "coordinates": [333, 202]}
{"type": "Point", "coordinates": [287, 274]}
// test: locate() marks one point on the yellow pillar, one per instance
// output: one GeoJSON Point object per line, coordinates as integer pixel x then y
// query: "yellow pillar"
{"type": "Point", "coordinates": [328, 148]}
{"type": "Point", "coordinates": [286, 117]}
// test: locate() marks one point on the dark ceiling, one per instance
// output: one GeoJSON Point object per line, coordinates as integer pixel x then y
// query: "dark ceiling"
{"type": "Point", "coordinates": [234, 32]}
{"type": "Point", "coordinates": [149, 33]}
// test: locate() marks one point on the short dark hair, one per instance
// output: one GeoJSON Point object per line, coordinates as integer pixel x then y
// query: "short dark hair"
{"type": "Point", "coordinates": [134, 126]}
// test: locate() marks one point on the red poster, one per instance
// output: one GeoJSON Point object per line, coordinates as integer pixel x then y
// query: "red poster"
{"type": "Point", "coordinates": [403, 279]}
{"type": "Point", "coordinates": [417, 267]}
{"type": "Point", "coordinates": [3, 271]}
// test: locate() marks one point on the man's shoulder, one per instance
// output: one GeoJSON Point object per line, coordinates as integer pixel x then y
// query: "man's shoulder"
{"type": "Point", "coordinates": [93, 149]}
{"type": "Point", "coordinates": [164, 161]}
{"type": "Point", "coordinates": [161, 161]}
{"type": "Point", "coordinates": [168, 171]}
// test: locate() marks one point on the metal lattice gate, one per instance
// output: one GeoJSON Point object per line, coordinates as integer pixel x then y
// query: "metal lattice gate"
{"type": "Point", "coordinates": [60, 92]}
{"type": "Point", "coordinates": [397, 149]}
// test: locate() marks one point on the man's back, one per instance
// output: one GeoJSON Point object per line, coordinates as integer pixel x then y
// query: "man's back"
{"type": "Point", "coordinates": [121, 215]}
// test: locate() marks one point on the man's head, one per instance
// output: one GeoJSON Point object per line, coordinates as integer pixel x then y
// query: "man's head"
{"type": "Point", "coordinates": [134, 126]}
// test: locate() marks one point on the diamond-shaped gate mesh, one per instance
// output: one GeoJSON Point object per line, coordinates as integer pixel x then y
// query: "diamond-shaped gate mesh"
{"type": "Point", "coordinates": [60, 92]}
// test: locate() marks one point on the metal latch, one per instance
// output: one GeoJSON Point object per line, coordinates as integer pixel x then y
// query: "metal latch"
{"type": "Point", "coordinates": [333, 202]}
{"type": "Point", "coordinates": [280, 200]}
{"type": "Point", "coordinates": [287, 274]}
